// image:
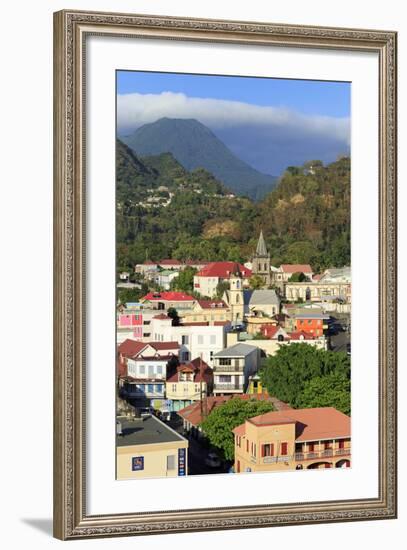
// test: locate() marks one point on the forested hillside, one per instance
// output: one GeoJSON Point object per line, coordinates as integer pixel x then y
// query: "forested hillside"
{"type": "Point", "coordinates": [165, 211]}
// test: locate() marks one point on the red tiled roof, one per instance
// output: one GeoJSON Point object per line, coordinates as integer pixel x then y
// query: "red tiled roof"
{"type": "Point", "coordinates": [212, 304]}
{"type": "Point", "coordinates": [201, 369]}
{"type": "Point", "coordinates": [223, 270]}
{"type": "Point", "coordinates": [131, 347]}
{"type": "Point", "coordinates": [164, 345]}
{"type": "Point", "coordinates": [316, 423]}
{"type": "Point", "coordinates": [296, 335]}
{"type": "Point", "coordinates": [317, 277]}
{"type": "Point", "coordinates": [170, 296]}
{"type": "Point", "coordinates": [169, 262]}
{"type": "Point", "coordinates": [296, 268]}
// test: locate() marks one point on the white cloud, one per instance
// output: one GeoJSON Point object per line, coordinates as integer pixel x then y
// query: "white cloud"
{"type": "Point", "coordinates": [134, 110]}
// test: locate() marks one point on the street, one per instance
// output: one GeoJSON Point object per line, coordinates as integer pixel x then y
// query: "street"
{"type": "Point", "coordinates": [339, 338]}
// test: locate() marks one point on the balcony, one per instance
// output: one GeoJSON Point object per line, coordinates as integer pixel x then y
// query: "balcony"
{"type": "Point", "coordinates": [275, 459]}
{"type": "Point", "coordinates": [227, 368]}
{"type": "Point", "coordinates": [227, 387]}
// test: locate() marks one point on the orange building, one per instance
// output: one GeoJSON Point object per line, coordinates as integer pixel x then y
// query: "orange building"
{"type": "Point", "coordinates": [310, 322]}
{"type": "Point", "coordinates": [293, 439]}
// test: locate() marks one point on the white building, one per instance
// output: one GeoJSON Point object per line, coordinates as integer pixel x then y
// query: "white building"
{"type": "Point", "coordinates": [232, 367]}
{"type": "Point", "coordinates": [195, 339]}
{"type": "Point", "coordinates": [207, 280]}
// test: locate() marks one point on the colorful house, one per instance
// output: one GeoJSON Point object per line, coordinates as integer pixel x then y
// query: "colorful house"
{"type": "Point", "coordinates": [191, 382]}
{"type": "Point", "coordinates": [208, 278]}
{"type": "Point", "coordinates": [293, 439]}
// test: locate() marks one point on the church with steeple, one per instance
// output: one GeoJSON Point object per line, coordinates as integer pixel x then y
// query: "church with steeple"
{"type": "Point", "coordinates": [261, 261]}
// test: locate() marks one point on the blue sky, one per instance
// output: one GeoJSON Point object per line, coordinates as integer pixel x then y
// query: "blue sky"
{"type": "Point", "coordinates": [311, 97]}
{"type": "Point", "coordinates": [267, 122]}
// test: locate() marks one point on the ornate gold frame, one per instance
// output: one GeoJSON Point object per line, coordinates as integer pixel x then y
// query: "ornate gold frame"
{"type": "Point", "coordinates": [70, 518]}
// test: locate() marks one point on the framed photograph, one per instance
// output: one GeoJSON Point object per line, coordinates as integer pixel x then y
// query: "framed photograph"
{"type": "Point", "coordinates": [225, 274]}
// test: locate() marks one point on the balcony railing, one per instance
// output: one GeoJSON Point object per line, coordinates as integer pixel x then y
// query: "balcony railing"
{"type": "Point", "coordinates": [322, 454]}
{"type": "Point", "coordinates": [275, 459]}
{"type": "Point", "coordinates": [227, 387]}
{"type": "Point", "coordinates": [227, 368]}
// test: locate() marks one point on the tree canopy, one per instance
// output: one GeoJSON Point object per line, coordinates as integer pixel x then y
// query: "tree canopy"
{"type": "Point", "coordinates": [297, 370]}
{"type": "Point", "coordinates": [219, 424]}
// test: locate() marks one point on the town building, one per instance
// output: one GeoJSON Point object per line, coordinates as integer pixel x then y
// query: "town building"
{"type": "Point", "coordinates": [274, 337]}
{"type": "Point", "coordinates": [328, 294]}
{"type": "Point", "coordinates": [165, 300]}
{"type": "Point", "coordinates": [191, 382]}
{"type": "Point", "coordinates": [143, 370]}
{"type": "Point", "coordinates": [146, 447]}
{"type": "Point", "coordinates": [201, 339]}
{"type": "Point", "coordinates": [232, 367]}
{"type": "Point", "coordinates": [293, 439]}
{"type": "Point", "coordinates": [207, 310]}
{"type": "Point", "coordinates": [261, 261]}
{"type": "Point", "coordinates": [310, 321]}
{"type": "Point", "coordinates": [207, 279]}
{"type": "Point", "coordinates": [143, 268]}
{"type": "Point", "coordinates": [284, 273]}
{"type": "Point", "coordinates": [165, 277]}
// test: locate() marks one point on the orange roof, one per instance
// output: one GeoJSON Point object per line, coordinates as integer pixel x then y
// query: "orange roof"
{"type": "Point", "coordinates": [311, 424]}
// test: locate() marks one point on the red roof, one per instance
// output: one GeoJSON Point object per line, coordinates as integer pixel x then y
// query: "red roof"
{"type": "Point", "coordinates": [130, 348]}
{"type": "Point", "coordinates": [170, 296]}
{"type": "Point", "coordinates": [202, 370]}
{"type": "Point", "coordinates": [223, 270]}
{"type": "Point", "coordinates": [212, 304]}
{"type": "Point", "coordinates": [163, 345]}
{"type": "Point", "coordinates": [169, 262]}
{"type": "Point", "coordinates": [296, 268]}
{"type": "Point", "coordinates": [300, 335]}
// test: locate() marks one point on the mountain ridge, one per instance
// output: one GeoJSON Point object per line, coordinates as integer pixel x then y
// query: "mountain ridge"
{"type": "Point", "coordinates": [194, 145]}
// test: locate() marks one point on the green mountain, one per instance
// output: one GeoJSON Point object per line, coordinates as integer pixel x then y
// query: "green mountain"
{"type": "Point", "coordinates": [166, 211]}
{"type": "Point", "coordinates": [194, 146]}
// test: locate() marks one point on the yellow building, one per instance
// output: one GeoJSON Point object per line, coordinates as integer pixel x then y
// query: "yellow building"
{"type": "Point", "coordinates": [255, 323]}
{"type": "Point", "coordinates": [146, 447]}
{"type": "Point", "coordinates": [191, 382]}
{"type": "Point", "coordinates": [212, 311]}
{"type": "Point", "coordinates": [293, 439]}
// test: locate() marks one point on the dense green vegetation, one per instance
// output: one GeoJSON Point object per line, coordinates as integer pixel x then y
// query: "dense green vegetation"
{"type": "Point", "coordinates": [165, 211]}
{"type": "Point", "coordinates": [304, 377]}
{"type": "Point", "coordinates": [219, 424]}
{"type": "Point", "coordinates": [194, 146]}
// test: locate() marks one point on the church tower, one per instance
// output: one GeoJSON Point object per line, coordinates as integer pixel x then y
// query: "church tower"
{"type": "Point", "coordinates": [236, 296]}
{"type": "Point", "coordinates": [261, 261]}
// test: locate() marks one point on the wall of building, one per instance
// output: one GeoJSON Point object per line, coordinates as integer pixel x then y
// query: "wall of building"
{"type": "Point", "coordinates": [155, 460]}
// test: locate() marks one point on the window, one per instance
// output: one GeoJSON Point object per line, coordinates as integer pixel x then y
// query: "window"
{"type": "Point", "coordinates": [211, 355]}
{"type": "Point", "coordinates": [284, 446]}
{"type": "Point", "coordinates": [150, 371]}
{"type": "Point", "coordinates": [142, 369]}
{"type": "Point", "coordinates": [225, 379]}
{"type": "Point", "coordinates": [185, 356]}
{"type": "Point", "coordinates": [327, 445]}
{"type": "Point", "coordinates": [150, 388]}
{"type": "Point", "coordinates": [159, 369]}
{"type": "Point", "coordinates": [212, 339]}
{"type": "Point", "coordinates": [174, 387]}
{"type": "Point", "coordinates": [341, 444]}
{"type": "Point", "coordinates": [267, 449]}
{"type": "Point", "coordinates": [185, 340]}
{"type": "Point", "coordinates": [200, 339]}
{"type": "Point", "coordinates": [225, 361]}
{"type": "Point", "coordinates": [159, 388]}
{"type": "Point", "coordinates": [196, 388]}
{"type": "Point", "coordinates": [311, 447]}
{"type": "Point", "coordinates": [171, 462]}
{"type": "Point", "coordinates": [247, 445]}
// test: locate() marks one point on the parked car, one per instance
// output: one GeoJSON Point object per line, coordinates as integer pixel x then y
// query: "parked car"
{"type": "Point", "coordinates": [212, 460]}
